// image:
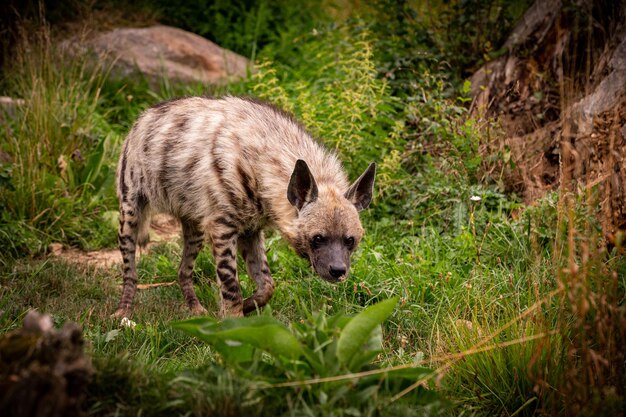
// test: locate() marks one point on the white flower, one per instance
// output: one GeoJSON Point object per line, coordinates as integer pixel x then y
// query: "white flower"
{"type": "Point", "coordinates": [475, 198]}
{"type": "Point", "coordinates": [128, 323]}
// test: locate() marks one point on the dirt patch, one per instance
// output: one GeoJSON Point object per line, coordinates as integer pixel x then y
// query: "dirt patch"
{"type": "Point", "coordinates": [163, 228]}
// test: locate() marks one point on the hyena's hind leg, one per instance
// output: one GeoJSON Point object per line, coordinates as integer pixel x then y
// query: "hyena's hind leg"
{"type": "Point", "coordinates": [253, 252]}
{"type": "Point", "coordinates": [134, 216]}
{"type": "Point", "coordinates": [193, 237]}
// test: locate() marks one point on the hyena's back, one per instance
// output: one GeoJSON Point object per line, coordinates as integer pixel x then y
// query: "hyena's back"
{"type": "Point", "coordinates": [196, 157]}
{"type": "Point", "coordinates": [222, 167]}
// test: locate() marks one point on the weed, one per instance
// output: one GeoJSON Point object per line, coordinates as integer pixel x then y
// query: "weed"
{"type": "Point", "coordinates": [307, 363]}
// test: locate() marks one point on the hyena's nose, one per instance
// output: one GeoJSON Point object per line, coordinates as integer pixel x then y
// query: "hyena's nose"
{"type": "Point", "coordinates": [337, 271]}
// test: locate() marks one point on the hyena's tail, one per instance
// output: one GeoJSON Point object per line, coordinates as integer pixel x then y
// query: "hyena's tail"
{"type": "Point", "coordinates": [143, 226]}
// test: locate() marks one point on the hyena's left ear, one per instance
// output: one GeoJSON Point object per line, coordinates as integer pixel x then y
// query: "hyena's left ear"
{"type": "Point", "coordinates": [360, 192]}
{"type": "Point", "coordinates": [302, 188]}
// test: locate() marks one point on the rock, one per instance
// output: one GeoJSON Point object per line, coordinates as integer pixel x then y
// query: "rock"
{"type": "Point", "coordinates": [607, 95]}
{"type": "Point", "coordinates": [43, 371]}
{"type": "Point", "coordinates": [559, 94]}
{"type": "Point", "coordinates": [163, 51]}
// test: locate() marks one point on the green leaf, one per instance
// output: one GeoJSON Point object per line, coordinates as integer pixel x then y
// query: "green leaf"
{"type": "Point", "coordinates": [239, 334]}
{"type": "Point", "coordinates": [272, 338]}
{"type": "Point", "coordinates": [202, 328]}
{"type": "Point", "coordinates": [358, 330]}
{"type": "Point", "coordinates": [411, 374]}
{"type": "Point", "coordinates": [111, 335]}
{"type": "Point", "coordinates": [467, 87]}
{"type": "Point", "coordinates": [369, 351]}
{"type": "Point", "coordinates": [192, 326]}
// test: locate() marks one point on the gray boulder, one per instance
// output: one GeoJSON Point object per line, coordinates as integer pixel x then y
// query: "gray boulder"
{"type": "Point", "coordinates": [164, 51]}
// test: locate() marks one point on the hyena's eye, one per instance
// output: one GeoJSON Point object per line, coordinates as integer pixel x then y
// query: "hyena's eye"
{"type": "Point", "coordinates": [349, 242]}
{"type": "Point", "coordinates": [317, 241]}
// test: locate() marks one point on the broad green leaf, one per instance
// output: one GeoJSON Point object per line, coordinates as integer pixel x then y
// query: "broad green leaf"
{"type": "Point", "coordinates": [192, 326]}
{"type": "Point", "coordinates": [357, 332]}
{"type": "Point", "coordinates": [361, 359]}
{"type": "Point", "coordinates": [261, 332]}
{"type": "Point", "coordinates": [203, 329]}
{"type": "Point", "coordinates": [370, 349]}
{"type": "Point", "coordinates": [271, 338]}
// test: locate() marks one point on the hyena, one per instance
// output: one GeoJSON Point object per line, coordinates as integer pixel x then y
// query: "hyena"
{"type": "Point", "coordinates": [228, 169]}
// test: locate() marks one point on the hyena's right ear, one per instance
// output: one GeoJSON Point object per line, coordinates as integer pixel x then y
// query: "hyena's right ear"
{"type": "Point", "coordinates": [302, 188]}
{"type": "Point", "coordinates": [360, 193]}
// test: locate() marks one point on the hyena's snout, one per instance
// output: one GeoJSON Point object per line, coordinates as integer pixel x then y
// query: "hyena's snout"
{"type": "Point", "coordinates": [338, 271]}
{"type": "Point", "coordinates": [332, 266]}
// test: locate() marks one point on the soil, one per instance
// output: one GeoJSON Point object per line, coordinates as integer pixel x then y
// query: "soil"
{"type": "Point", "coordinates": [162, 228]}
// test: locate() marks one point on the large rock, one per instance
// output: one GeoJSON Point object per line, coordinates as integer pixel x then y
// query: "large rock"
{"type": "Point", "coordinates": [559, 93]}
{"type": "Point", "coordinates": [163, 51]}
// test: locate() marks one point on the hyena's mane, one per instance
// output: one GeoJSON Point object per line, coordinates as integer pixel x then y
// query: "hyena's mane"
{"type": "Point", "coordinates": [277, 110]}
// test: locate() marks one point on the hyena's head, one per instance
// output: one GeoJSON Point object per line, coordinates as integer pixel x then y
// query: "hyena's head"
{"type": "Point", "coordinates": [328, 225]}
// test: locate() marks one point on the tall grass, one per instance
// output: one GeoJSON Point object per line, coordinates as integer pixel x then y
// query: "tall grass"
{"type": "Point", "coordinates": [60, 150]}
{"type": "Point", "coordinates": [592, 314]}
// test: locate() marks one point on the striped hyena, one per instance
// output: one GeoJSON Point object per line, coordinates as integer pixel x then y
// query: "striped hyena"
{"type": "Point", "coordinates": [227, 169]}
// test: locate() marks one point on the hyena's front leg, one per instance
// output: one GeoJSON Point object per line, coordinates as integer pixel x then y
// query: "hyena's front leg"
{"type": "Point", "coordinates": [253, 252]}
{"type": "Point", "coordinates": [224, 237]}
{"type": "Point", "coordinates": [193, 237]}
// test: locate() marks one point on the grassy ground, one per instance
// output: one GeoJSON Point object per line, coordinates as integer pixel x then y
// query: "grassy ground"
{"type": "Point", "coordinates": [504, 307]}
{"type": "Point", "coordinates": [450, 302]}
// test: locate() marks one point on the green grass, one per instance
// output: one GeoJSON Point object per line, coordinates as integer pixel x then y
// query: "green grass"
{"type": "Point", "coordinates": [440, 283]}
{"type": "Point", "coordinates": [58, 179]}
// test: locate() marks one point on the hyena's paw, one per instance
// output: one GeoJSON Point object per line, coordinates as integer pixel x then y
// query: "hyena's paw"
{"type": "Point", "coordinates": [121, 313]}
{"type": "Point", "coordinates": [231, 311]}
{"type": "Point", "coordinates": [198, 310]}
{"type": "Point", "coordinates": [251, 306]}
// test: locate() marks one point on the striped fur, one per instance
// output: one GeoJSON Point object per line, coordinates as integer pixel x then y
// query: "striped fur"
{"type": "Point", "coordinates": [228, 169]}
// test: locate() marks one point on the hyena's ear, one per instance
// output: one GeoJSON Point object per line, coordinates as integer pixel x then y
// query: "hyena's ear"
{"type": "Point", "coordinates": [360, 192]}
{"type": "Point", "coordinates": [302, 188]}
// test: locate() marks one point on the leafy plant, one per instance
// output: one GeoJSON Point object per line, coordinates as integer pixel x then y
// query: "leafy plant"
{"type": "Point", "coordinates": [318, 362]}
{"type": "Point", "coordinates": [339, 98]}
